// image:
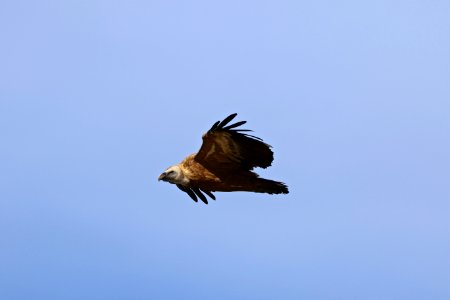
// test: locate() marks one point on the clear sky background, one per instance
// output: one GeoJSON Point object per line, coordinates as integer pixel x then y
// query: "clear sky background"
{"type": "Point", "coordinates": [97, 98]}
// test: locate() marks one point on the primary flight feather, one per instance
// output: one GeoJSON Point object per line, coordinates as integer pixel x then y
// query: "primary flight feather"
{"type": "Point", "coordinates": [224, 163]}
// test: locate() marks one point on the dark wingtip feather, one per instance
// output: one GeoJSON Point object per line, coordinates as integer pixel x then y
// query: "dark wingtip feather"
{"type": "Point", "coordinates": [226, 120]}
{"type": "Point", "coordinates": [188, 191]}
{"type": "Point", "coordinates": [214, 126]}
{"type": "Point", "coordinates": [255, 137]}
{"type": "Point", "coordinates": [237, 124]}
{"type": "Point", "coordinates": [211, 195]}
{"type": "Point", "coordinates": [200, 195]}
{"type": "Point", "coordinates": [191, 194]}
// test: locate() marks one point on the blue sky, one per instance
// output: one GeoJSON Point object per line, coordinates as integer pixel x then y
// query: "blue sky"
{"type": "Point", "coordinates": [98, 97]}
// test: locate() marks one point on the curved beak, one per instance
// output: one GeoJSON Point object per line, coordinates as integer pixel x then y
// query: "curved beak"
{"type": "Point", "coordinates": [162, 176]}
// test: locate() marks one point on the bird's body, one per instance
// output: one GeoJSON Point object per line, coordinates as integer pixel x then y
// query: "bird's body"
{"type": "Point", "coordinates": [224, 164]}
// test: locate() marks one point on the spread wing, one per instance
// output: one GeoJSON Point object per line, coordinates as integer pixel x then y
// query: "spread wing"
{"type": "Point", "coordinates": [226, 148]}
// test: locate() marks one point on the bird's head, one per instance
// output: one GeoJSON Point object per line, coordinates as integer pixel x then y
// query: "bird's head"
{"type": "Point", "coordinates": [173, 174]}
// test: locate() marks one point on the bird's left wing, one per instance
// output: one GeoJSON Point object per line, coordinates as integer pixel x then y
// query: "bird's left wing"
{"type": "Point", "coordinates": [226, 148]}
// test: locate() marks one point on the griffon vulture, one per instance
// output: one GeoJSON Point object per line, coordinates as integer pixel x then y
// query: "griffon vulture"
{"type": "Point", "coordinates": [224, 164]}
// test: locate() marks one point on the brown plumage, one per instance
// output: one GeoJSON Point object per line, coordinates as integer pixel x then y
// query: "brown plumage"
{"type": "Point", "coordinates": [224, 163]}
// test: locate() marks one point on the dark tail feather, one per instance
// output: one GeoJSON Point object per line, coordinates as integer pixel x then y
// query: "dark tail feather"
{"type": "Point", "coordinates": [270, 186]}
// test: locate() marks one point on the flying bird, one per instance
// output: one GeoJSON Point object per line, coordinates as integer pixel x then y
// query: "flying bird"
{"type": "Point", "coordinates": [224, 163]}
